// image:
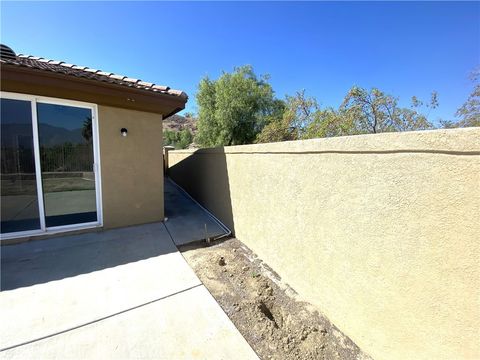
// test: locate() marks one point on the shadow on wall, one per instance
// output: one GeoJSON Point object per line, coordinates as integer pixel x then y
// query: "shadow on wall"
{"type": "Point", "coordinates": [385, 221]}
{"type": "Point", "coordinates": [212, 191]}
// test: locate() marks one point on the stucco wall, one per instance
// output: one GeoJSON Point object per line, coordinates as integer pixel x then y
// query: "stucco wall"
{"type": "Point", "coordinates": [131, 166]}
{"type": "Point", "coordinates": [381, 232]}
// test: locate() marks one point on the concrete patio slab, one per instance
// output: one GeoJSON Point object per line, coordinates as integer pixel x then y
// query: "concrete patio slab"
{"type": "Point", "coordinates": [189, 325]}
{"type": "Point", "coordinates": [122, 269]}
{"type": "Point", "coordinates": [186, 220]}
{"type": "Point", "coordinates": [35, 262]}
{"type": "Point", "coordinates": [112, 294]}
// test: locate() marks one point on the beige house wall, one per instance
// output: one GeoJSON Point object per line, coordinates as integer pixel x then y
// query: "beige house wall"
{"type": "Point", "coordinates": [131, 166]}
{"type": "Point", "coordinates": [381, 232]}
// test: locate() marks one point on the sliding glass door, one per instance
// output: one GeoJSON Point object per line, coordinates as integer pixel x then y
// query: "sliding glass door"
{"type": "Point", "coordinates": [48, 173]}
{"type": "Point", "coordinates": [19, 196]}
{"type": "Point", "coordinates": [66, 157]}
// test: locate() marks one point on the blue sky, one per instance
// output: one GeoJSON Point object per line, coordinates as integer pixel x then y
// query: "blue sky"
{"type": "Point", "coordinates": [405, 49]}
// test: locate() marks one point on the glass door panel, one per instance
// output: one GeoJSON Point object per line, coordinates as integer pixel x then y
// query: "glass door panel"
{"type": "Point", "coordinates": [19, 200]}
{"type": "Point", "coordinates": [66, 158]}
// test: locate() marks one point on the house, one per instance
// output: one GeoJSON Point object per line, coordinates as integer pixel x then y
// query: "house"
{"type": "Point", "coordinates": [80, 148]}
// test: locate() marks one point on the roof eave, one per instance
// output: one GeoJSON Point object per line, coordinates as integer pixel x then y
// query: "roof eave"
{"type": "Point", "coordinates": [17, 78]}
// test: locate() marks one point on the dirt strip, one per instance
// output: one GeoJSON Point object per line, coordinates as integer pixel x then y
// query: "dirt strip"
{"type": "Point", "coordinates": [267, 312]}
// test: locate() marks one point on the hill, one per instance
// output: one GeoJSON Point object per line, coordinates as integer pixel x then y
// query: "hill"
{"type": "Point", "coordinates": [179, 122]}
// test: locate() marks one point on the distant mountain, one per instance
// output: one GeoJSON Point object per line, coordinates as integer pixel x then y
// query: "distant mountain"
{"type": "Point", "coordinates": [52, 135]}
{"type": "Point", "coordinates": [179, 122]}
{"type": "Point", "coordinates": [49, 135]}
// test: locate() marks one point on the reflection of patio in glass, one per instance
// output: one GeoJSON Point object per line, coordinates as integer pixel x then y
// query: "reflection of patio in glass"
{"type": "Point", "coordinates": [64, 154]}
{"type": "Point", "coordinates": [63, 196]}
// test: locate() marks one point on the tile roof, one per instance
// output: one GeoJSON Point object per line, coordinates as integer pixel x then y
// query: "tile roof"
{"type": "Point", "coordinates": [61, 67]}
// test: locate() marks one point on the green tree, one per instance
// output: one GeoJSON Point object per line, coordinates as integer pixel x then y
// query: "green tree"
{"type": "Point", "coordinates": [169, 137]}
{"type": "Point", "coordinates": [234, 108]}
{"type": "Point", "coordinates": [374, 111]}
{"type": "Point", "coordinates": [185, 139]}
{"type": "Point", "coordinates": [291, 120]}
{"type": "Point", "coordinates": [87, 129]}
{"type": "Point", "coordinates": [361, 112]}
{"type": "Point", "coordinates": [278, 130]}
{"type": "Point", "coordinates": [330, 122]}
{"type": "Point", "coordinates": [300, 112]}
{"type": "Point", "coordinates": [179, 139]}
{"type": "Point", "coordinates": [469, 112]}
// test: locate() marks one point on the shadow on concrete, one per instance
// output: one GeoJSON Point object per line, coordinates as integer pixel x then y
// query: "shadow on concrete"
{"type": "Point", "coordinates": [41, 261]}
{"type": "Point", "coordinates": [187, 222]}
{"type": "Point", "coordinates": [195, 245]}
{"type": "Point", "coordinates": [204, 175]}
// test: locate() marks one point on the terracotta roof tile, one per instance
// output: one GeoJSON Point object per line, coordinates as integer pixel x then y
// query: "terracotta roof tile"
{"type": "Point", "coordinates": [104, 73]}
{"type": "Point", "coordinates": [130, 80]}
{"type": "Point", "coordinates": [161, 87]}
{"type": "Point", "coordinates": [176, 92]}
{"type": "Point", "coordinates": [67, 69]}
{"type": "Point", "coordinates": [146, 84]}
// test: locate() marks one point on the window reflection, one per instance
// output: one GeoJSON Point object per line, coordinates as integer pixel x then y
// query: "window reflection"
{"type": "Point", "coordinates": [19, 202]}
{"type": "Point", "coordinates": [66, 156]}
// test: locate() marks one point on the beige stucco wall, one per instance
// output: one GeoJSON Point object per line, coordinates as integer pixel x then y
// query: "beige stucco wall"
{"type": "Point", "coordinates": [131, 166]}
{"type": "Point", "coordinates": [381, 232]}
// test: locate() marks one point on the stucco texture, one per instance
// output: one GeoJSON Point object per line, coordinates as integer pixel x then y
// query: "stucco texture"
{"type": "Point", "coordinates": [380, 232]}
{"type": "Point", "coordinates": [131, 166]}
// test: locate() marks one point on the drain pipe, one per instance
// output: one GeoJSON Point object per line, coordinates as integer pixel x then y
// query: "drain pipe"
{"type": "Point", "coordinates": [228, 232]}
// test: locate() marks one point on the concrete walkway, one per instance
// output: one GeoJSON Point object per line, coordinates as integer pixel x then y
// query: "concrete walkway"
{"type": "Point", "coordinates": [186, 220]}
{"type": "Point", "coordinates": [125, 293]}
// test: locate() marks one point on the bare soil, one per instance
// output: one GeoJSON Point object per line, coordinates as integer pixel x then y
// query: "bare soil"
{"type": "Point", "coordinates": [267, 312]}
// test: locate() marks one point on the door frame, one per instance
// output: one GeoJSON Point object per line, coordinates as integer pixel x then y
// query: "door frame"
{"type": "Point", "coordinates": [34, 99]}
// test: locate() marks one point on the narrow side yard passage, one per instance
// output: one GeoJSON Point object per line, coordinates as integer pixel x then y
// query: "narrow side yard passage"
{"type": "Point", "coordinates": [267, 312]}
{"type": "Point", "coordinates": [187, 221]}
{"type": "Point", "coordinates": [124, 293]}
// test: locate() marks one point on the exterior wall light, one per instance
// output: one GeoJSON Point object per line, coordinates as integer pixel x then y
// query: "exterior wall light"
{"type": "Point", "coordinates": [123, 131]}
